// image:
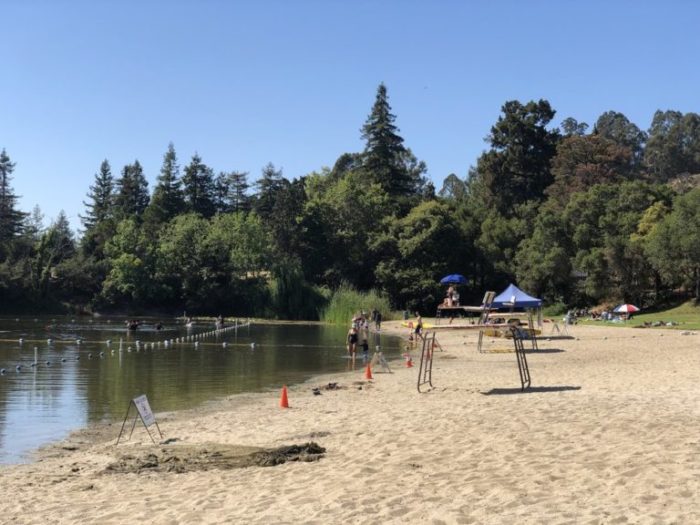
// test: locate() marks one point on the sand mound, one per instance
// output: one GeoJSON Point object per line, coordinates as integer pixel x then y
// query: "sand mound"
{"type": "Point", "coordinates": [188, 458]}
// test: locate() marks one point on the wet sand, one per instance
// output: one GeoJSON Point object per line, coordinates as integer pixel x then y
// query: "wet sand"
{"type": "Point", "coordinates": [608, 433]}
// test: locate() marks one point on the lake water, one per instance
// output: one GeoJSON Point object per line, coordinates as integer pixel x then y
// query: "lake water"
{"type": "Point", "coordinates": [72, 385]}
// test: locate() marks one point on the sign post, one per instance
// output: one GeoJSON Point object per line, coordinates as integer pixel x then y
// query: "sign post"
{"type": "Point", "coordinates": [143, 411]}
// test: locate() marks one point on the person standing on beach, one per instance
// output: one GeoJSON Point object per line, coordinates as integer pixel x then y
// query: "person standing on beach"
{"type": "Point", "coordinates": [378, 321]}
{"type": "Point", "coordinates": [418, 328]}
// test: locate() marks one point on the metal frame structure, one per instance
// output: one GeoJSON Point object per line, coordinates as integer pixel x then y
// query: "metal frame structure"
{"type": "Point", "coordinates": [136, 418]}
{"type": "Point", "coordinates": [425, 369]}
{"type": "Point", "coordinates": [521, 357]}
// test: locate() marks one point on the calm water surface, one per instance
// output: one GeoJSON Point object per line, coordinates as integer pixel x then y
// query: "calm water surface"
{"type": "Point", "coordinates": [73, 384]}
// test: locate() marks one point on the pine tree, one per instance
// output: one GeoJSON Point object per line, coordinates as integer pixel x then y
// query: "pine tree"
{"type": "Point", "coordinates": [222, 187]}
{"type": "Point", "coordinates": [268, 186]}
{"type": "Point", "coordinates": [11, 219]}
{"type": "Point", "coordinates": [198, 187]}
{"type": "Point", "coordinates": [384, 156]}
{"type": "Point", "coordinates": [168, 199]}
{"type": "Point", "coordinates": [101, 198]}
{"type": "Point", "coordinates": [238, 191]}
{"type": "Point", "coordinates": [132, 192]}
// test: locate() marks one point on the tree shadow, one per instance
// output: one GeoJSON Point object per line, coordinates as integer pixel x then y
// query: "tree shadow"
{"type": "Point", "coordinates": [531, 390]}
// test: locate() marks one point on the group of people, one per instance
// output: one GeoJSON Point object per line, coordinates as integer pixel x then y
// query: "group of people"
{"type": "Point", "coordinates": [134, 324]}
{"type": "Point", "coordinates": [358, 334]}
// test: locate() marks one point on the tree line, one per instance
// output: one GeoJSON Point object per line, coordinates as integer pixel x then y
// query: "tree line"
{"type": "Point", "coordinates": [577, 217]}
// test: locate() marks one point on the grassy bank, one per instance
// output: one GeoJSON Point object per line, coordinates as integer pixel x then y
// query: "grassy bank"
{"type": "Point", "coordinates": [684, 317]}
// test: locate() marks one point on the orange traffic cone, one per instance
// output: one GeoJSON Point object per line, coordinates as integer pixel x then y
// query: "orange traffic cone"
{"type": "Point", "coordinates": [368, 372]}
{"type": "Point", "coordinates": [284, 402]}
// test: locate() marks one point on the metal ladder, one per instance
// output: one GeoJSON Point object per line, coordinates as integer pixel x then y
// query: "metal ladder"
{"type": "Point", "coordinates": [425, 369]}
{"type": "Point", "coordinates": [523, 369]}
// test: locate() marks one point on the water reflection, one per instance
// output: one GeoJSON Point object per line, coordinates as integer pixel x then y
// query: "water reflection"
{"type": "Point", "coordinates": [72, 371]}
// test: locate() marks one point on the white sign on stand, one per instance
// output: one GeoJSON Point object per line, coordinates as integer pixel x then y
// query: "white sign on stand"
{"type": "Point", "coordinates": [144, 409]}
{"type": "Point", "coordinates": [144, 412]}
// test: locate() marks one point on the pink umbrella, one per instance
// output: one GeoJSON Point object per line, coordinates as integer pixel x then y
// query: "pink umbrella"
{"type": "Point", "coordinates": [626, 309]}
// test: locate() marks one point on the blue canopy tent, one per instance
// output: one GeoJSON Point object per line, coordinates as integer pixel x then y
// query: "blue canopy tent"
{"type": "Point", "coordinates": [514, 297]}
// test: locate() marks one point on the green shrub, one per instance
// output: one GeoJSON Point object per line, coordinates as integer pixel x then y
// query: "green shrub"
{"type": "Point", "coordinates": [347, 301]}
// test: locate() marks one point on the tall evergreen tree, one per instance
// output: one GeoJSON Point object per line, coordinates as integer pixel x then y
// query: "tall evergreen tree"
{"type": "Point", "coordinates": [618, 128]}
{"type": "Point", "coordinates": [10, 218]}
{"type": "Point", "coordinates": [267, 188]}
{"type": "Point", "coordinates": [673, 147]}
{"type": "Point", "coordinates": [222, 187]}
{"type": "Point", "coordinates": [101, 198]}
{"type": "Point", "coordinates": [132, 192]}
{"type": "Point", "coordinates": [198, 187]}
{"type": "Point", "coordinates": [385, 155]}
{"type": "Point", "coordinates": [168, 199]}
{"type": "Point", "coordinates": [238, 191]}
{"type": "Point", "coordinates": [517, 167]}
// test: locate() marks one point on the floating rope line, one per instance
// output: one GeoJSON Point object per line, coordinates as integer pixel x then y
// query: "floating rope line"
{"type": "Point", "coordinates": [137, 344]}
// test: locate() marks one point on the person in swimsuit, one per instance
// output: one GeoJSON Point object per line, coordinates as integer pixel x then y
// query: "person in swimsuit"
{"type": "Point", "coordinates": [352, 341]}
{"type": "Point", "coordinates": [419, 325]}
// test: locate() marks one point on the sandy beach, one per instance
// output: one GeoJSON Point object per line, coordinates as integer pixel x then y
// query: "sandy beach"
{"type": "Point", "coordinates": [607, 434]}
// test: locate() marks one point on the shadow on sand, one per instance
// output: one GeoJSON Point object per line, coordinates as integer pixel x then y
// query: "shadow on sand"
{"type": "Point", "coordinates": [531, 390]}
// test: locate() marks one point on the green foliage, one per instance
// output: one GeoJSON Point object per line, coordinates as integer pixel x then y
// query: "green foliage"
{"type": "Point", "coordinates": [673, 148]}
{"type": "Point", "coordinates": [617, 127]}
{"type": "Point", "coordinates": [198, 188]}
{"type": "Point", "coordinates": [347, 301]}
{"type": "Point", "coordinates": [10, 217]}
{"type": "Point", "coordinates": [674, 244]}
{"type": "Point", "coordinates": [517, 167]}
{"type": "Point", "coordinates": [132, 192]}
{"type": "Point", "coordinates": [385, 159]}
{"type": "Point", "coordinates": [577, 218]}
{"type": "Point", "coordinates": [168, 199]}
{"type": "Point", "coordinates": [418, 250]}
{"type": "Point", "coordinates": [100, 205]}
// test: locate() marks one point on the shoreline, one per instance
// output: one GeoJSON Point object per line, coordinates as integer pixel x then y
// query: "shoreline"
{"type": "Point", "coordinates": [606, 434]}
{"type": "Point", "coordinates": [98, 433]}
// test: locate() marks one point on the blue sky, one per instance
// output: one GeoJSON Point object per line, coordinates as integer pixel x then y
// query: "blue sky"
{"type": "Point", "coordinates": [292, 82]}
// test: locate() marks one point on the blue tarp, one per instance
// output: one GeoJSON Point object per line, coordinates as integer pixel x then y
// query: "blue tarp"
{"type": "Point", "coordinates": [515, 298]}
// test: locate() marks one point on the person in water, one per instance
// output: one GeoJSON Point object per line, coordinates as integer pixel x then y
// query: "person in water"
{"type": "Point", "coordinates": [352, 341]}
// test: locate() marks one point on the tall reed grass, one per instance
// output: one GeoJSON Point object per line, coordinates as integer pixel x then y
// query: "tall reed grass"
{"type": "Point", "coordinates": [346, 301]}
